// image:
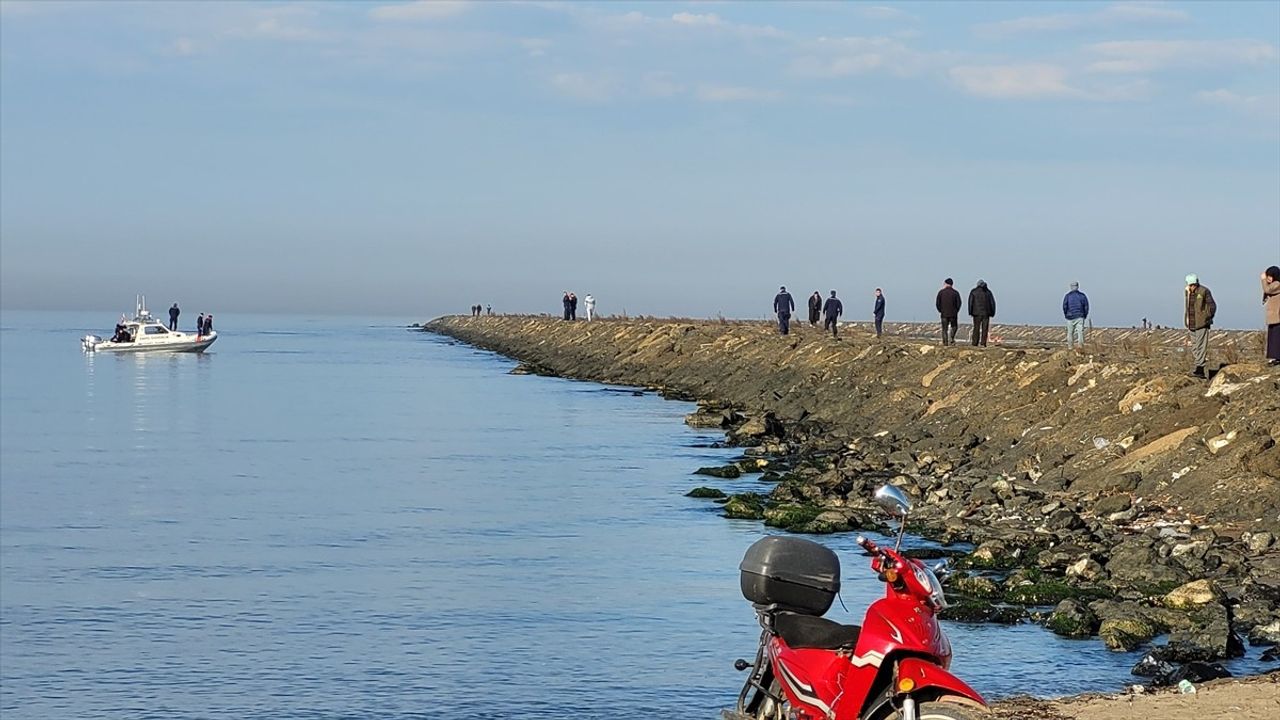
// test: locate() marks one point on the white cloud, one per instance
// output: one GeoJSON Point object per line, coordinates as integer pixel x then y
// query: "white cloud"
{"type": "Point", "coordinates": [584, 86]}
{"type": "Point", "coordinates": [280, 23]}
{"type": "Point", "coordinates": [1121, 14]}
{"type": "Point", "coordinates": [1032, 81]}
{"type": "Point", "coordinates": [535, 47]}
{"type": "Point", "coordinates": [707, 20]}
{"type": "Point", "coordinates": [1141, 56]}
{"type": "Point", "coordinates": [660, 85]}
{"type": "Point", "coordinates": [732, 93]}
{"type": "Point", "coordinates": [182, 47]}
{"type": "Point", "coordinates": [420, 10]}
{"type": "Point", "coordinates": [1268, 105]}
{"type": "Point", "coordinates": [841, 57]}
{"type": "Point", "coordinates": [883, 12]}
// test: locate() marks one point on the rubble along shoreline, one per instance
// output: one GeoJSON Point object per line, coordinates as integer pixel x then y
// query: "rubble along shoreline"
{"type": "Point", "coordinates": [1104, 493]}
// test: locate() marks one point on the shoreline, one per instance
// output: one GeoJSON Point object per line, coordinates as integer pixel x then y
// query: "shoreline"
{"type": "Point", "coordinates": [1152, 512]}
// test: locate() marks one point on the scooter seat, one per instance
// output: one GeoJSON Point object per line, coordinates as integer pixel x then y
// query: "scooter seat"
{"type": "Point", "coordinates": [809, 631]}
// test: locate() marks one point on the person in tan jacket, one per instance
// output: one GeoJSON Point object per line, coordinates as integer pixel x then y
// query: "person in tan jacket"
{"type": "Point", "coordinates": [1271, 299]}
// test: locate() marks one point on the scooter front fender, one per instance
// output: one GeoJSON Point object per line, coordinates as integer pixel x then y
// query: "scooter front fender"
{"type": "Point", "coordinates": [930, 676]}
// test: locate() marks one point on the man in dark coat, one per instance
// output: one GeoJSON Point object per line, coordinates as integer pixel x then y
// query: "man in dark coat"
{"type": "Point", "coordinates": [878, 313]}
{"type": "Point", "coordinates": [832, 310]}
{"type": "Point", "coordinates": [573, 306]}
{"type": "Point", "coordinates": [200, 325]}
{"type": "Point", "coordinates": [815, 307]}
{"type": "Point", "coordinates": [1200, 310]}
{"type": "Point", "coordinates": [949, 309]}
{"type": "Point", "coordinates": [982, 307]}
{"type": "Point", "coordinates": [208, 324]}
{"type": "Point", "coordinates": [173, 317]}
{"type": "Point", "coordinates": [783, 306]}
{"type": "Point", "coordinates": [566, 302]}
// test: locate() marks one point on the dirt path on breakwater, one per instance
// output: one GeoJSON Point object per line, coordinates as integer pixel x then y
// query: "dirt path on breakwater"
{"type": "Point", "coordinates": [1107, 493]}
{"type": "Point", "coordinates": [1253, 699]}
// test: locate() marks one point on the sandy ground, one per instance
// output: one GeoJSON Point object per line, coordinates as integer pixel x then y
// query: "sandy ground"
{"type": "Point", "coordinates": [1256, 698]}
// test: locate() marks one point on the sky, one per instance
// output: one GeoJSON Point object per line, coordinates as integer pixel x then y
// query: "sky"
{"type": "Point", "coordinates": [686, 158]}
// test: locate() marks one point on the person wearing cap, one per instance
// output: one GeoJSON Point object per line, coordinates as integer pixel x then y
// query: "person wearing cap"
{"type": "Point", "coordinates": [832, 310]}
{"type": "Point", "coordinates": [982, 307]}
{"type": "Point", "coordinates": [1075, 307]}
{"type": "Point", "coordinates": [948, 304]}
{"type": "Point", "coordinates": [783, 306]}
{"type": "Point", "coordinates": [1200, 309]}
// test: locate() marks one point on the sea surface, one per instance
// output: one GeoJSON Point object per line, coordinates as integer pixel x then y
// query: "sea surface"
{"type": "Point", "coordinates": [339, 518]}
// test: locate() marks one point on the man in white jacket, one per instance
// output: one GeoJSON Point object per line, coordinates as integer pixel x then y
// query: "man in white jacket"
{"type": "Point", "coordinates": [591, 306]}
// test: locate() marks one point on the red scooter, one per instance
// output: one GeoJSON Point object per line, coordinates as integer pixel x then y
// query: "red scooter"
{"type": "Point", "coordinates": [893, 667]}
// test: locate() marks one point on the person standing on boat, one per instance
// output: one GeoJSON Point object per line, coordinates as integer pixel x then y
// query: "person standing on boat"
{"type": "Point", "coordinates": [200, 325]}
{"type": "Point", "coordinates": [208, 324]}
{"type": "Point", "coordinates": [174, 312]}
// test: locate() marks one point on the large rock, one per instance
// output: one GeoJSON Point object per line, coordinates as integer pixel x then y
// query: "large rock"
{"type": "Point", "coordinates": [1193, 594]}
{"type": "Point", "coordinates": [1126, 633]}
{"type": "Point", "coordinates": [1135, 563]}
{"type": "Point", "coordinates": [1208, 637]}
{"type": "Point", "coordinates": [728, 472]}
{"type": "Point", "coordinates": [1071, 619]}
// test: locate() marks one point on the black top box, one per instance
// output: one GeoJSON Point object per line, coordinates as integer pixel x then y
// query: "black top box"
{"type": "Point", "coordinates": [796, 574]}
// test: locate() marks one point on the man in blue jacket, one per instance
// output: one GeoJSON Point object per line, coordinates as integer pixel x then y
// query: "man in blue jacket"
{"type": "Point", "coordinates": [878, 313]}
{"type": "Point", "coordinates": [783, 306]}
{"type": "Point", "coordinates": [833, 309]}
{"type": "Point", "coordinates": [1075, 307]}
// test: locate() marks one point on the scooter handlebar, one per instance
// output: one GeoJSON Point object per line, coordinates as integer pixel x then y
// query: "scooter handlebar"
{"type": "Point", "coordinates": [867, 544]}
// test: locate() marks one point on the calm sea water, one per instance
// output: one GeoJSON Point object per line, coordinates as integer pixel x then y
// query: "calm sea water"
{"type": "Point", "coordinates": [336, 518]}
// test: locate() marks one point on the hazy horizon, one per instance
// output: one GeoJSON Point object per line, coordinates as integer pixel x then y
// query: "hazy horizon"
{"type": "Point", "coordinates": [685, 158]}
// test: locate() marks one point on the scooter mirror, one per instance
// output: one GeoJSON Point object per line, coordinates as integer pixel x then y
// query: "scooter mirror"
{"type": "Point", "coordinates": [893, 501]}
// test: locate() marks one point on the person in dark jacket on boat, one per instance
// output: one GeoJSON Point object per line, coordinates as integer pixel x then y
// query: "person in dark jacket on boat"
{"type": "Point", "coordinates": [815, 308]}
{"type": "Point", "coordinates": [208, 324]}
{"type": "Point", "coordinates": [200, 325]}
{"type": "Point", "coordinates": [982, 307]}
{"type": "Point", "coordinates": [173, 317]}
{"type": "Point", "coordinates": [832, 309]}
{"type": "Point", "coordinates": [949, 309]}
{"type": "Point", "coordinates": [878, 313]}
{"type": "Point", "coordinates": [783, 306]}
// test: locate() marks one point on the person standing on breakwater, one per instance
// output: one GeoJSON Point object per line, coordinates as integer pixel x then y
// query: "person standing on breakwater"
{"type": "Point", "coordinates": [1075, 308]}
{"type": "Point", "coordinates": [591, 307]}
{"type": "Point", "coordinates": [832, 310]}
{"type": "Point", "coordinates": [573, 306]}
{"type": "Point", "coordinates": [783, 306]}
{"type": "Point", "coordinates": [488, 309]}
{"type": "Point", "coordinates": [565, 300]}
{"type": "Point", "coordinates": [982, 307]}
{"type": "Point", "coordinates": [949, 308]}
{"type": "Point", "coordinates": [174, 312]}
{"type": "Point", "coordinates": [815, 308]}
{"type": "Point", "coordinates": [878, 313]}
{"type": "Point", "coordinates": [1271, 298]}
{"type": "Point", "coordinates": [1200, 309]}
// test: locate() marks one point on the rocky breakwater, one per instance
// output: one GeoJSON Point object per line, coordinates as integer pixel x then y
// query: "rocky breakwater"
{"type": "Point", "coordinates": [1100, 494]}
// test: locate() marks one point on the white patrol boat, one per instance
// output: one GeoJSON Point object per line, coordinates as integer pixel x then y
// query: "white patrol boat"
{"type": "Point", "coordinates": [146, 334]}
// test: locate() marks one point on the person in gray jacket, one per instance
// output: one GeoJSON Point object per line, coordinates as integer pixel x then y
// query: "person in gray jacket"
{"type": "Point", "coordinates": [982, 307]}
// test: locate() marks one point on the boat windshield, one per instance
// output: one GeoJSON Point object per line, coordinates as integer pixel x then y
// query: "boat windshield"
{"type": "Point", "coordinates": [155, 330]}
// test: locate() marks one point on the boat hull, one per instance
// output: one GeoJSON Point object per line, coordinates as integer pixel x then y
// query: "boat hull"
{"type": "Point", "coordinates": [193, 345]}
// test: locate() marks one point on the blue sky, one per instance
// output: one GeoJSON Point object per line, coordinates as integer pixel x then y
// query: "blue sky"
{"type": "Point", "coordinates": [670, 158]}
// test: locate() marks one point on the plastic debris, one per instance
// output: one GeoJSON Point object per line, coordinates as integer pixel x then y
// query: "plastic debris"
{"type": "Point", "coordinates": [1186, 688]}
